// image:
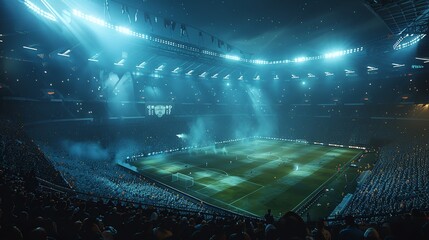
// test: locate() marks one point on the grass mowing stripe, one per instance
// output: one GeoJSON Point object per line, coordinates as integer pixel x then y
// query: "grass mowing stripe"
{"type": "Point", "coordinates": [261, 173]}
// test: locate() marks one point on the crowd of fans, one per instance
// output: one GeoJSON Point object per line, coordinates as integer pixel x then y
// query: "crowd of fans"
{"type": "Point", "coordinates": [19, 154]}
{"type": "Point", "coordinates": [106, 179]}
{"type": "Point", "coordinates": [397, 183]}
{"type": "Point", "coordinates": [26, 212]}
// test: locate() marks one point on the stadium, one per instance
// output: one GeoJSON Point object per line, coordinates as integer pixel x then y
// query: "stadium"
{"type": "Point", "coordinates": [144, 119]}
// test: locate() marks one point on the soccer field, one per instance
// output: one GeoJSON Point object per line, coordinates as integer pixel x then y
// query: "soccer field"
{"type": "Point", "coordinates": [250, 176]}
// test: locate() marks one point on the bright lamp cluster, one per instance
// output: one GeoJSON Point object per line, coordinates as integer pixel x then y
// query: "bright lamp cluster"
{"type": "Point", "coordinates": [39, 11]}
{"type": "Point", "coordinates": [342, 53]}
{"type": "Point", "coordinates": [400, 44]}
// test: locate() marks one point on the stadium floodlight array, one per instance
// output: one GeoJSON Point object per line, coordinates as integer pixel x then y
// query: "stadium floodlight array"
{"type": "Point", "coordinates": [231, 57]}
{"type": "Point", "coordinates": [401, 43]}
{"type": "Point", "coordinates": [182, 179]}
{"type": "Point", "coordinates": [39, 11]}
{"type": "Point", "coordinates": [263, 62]}
{"type": "Point", "coordinates": [128, 31]}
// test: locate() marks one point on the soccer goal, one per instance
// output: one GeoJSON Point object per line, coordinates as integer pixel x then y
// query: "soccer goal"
{"type": "Point", "coordinates": [182, 179]}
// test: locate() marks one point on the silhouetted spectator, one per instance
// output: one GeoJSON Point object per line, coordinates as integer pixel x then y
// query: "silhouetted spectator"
{"type": "Point", "coordinates": [351, 232]}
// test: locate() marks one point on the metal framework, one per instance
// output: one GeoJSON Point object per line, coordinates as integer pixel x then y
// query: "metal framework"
{"type": "Point", "coordinates": [403, 16]}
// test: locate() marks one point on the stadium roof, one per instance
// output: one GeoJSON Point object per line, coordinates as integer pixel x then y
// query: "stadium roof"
{"type": "Point", "coordinates": [276, 28]}
{"type": "Point", "coordinates": [304, 31]}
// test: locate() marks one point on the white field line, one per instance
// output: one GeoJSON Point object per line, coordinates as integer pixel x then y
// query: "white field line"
{"type": "Point", "coordinates": [227, 204]}
{"type": "Point", "coordinates": [323, 184]}
{"type": "Point", "coordinates": [247, 195]}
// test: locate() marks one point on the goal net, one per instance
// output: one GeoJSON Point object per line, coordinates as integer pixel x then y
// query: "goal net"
{"type": "Point", "coordinates": [182, 179]}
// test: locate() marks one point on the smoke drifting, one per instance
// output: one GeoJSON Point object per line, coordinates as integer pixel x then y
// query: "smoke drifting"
{"type": "Point", "coordinates": [122, 150]}
{"type": "Point", "coordinates": [200, 132]}
{"type": "Point", "coordinates": [263, 113]}
{"type": "Point", "coordinates": [85, 150]}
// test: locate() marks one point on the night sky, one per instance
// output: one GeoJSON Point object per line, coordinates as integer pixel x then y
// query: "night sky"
{"type": "Point", "coordinates": [276, 28]}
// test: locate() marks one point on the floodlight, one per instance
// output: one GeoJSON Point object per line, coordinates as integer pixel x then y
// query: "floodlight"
{"type": "Point", "coordinates": [123, 30]}
{"type": "Point", "coordinates": [39, 11]}
{"type": "Point", "coordinates": [232, 57]}
{"type": "Point", "coordinates": [397, 65]}
{"type": "Point", "coordinates": [141, 65]}
{"type": "Point", "coordinates": [176, 70]}
{"type": "Point", "coordinates": [29, 48]}
{"type": "Point", "coordinates": [120, 63]}
{"type": "Point", "coordinates": [370, 69]}
{"type": "Point", "coordinates": [425, 60]}
{"type": "Point", "coordinates": [160, 68]}
{"type": "Point", "coordinates": [65, 54]}
{"type": "Point", "coordinates": [300, 59]}
{"type": "Point", "coordinates": [94, 58]}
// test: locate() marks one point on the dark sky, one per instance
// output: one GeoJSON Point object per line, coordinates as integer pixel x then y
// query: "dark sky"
{"type": "Point", "coordinates": [277, 28]}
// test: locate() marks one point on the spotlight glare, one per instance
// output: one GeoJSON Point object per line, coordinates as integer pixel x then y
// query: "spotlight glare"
{"type": "Point", "coordinates": [300, 59]}
{"type": "Point", "coordinates": [123, 30]}
{"type": "Point", "coordinates": [232, 57]}
{"type": "Point", "coordinates": [182, 136]}
{"type": "Point", "coordinates": [39, 11]}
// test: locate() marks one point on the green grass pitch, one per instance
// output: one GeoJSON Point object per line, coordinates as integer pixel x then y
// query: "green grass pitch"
{"type": "Point", "coordinates": [253, 175]}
